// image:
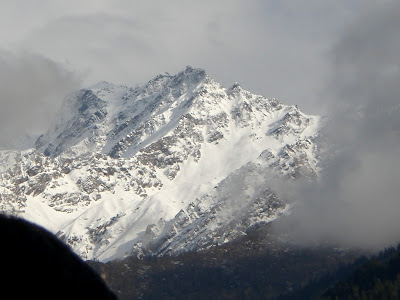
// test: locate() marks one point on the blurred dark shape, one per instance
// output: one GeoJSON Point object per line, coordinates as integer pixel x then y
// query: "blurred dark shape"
{"type": "Point", "coordinates": [36, 265]}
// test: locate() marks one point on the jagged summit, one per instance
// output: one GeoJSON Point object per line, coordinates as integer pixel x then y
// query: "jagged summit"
{"type": "Point", "coordinates": [102, 116]}
{"type": "Point", "coordinates": [178, 163]}
{"type": "Point", "coordinates": [235, 86]}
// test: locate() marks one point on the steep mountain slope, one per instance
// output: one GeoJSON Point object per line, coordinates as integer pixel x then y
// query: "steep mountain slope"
{"type": "Point", "coordinates": [178, 163]}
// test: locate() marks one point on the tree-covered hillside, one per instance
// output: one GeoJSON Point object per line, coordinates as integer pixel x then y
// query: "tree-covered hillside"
{"type": "Point", "coordinates": [249, 268]}
{"type": "Point", "coordinates": [377, 278]}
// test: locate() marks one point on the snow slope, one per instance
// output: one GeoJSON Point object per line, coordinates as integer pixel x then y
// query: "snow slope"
{"type": "Point", "coordinates": [163, 167]}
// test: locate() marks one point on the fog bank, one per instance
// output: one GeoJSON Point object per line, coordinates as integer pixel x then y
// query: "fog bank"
{"type": "Point", "coordinates": [357, 199]}
{"type": "Point", "coordinates": [31, 90]}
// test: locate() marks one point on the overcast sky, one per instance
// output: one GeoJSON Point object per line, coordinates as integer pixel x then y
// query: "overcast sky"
{"type": "Point", "coordinates": [356, 201]}
{"type": "Point", "coordinates": [334, 57]}
{"type": "Point", "coordinates": [272, 47]}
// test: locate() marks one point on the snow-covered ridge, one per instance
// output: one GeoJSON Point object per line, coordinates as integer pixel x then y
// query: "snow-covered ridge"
{"type": "Point", "coordinates": [149, 169]}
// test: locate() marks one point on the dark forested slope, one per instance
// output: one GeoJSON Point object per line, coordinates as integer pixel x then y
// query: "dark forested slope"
{"type": "Point", "coordinates": [377, 278]}
{"type": "Point", "coordinates": [248, 268]}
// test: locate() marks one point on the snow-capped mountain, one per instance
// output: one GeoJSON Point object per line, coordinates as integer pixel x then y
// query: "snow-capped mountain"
{"type": "Point", "coordinates": [179, 163]}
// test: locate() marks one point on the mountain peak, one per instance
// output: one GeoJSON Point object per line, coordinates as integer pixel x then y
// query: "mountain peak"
{"type": "Point", "coordinates": [177, 155]}
{"type": "Point", "coordinates": [191, 75]}
{"type": "Point", "coordinates": [235, 88]}
{"type": "Point", "coordinates": [190, 69]}
{"type": "Point", "coordinates": [102, 85]}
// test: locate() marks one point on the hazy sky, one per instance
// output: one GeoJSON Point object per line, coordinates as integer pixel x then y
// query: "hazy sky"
{"type": "Point", "coordinates": [339, 57]}
{"type": "Point", "coordinates": [273, 47]}
{"type": "Point", "coordinates": [49, 48]}
{"type": "Point", "coordinates": [356, 201]}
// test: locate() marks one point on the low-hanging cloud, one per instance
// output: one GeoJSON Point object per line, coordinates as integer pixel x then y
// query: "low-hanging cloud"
{"type": "Point", "coordinates": [357, 199]}
{"type": "Point", "coordinates": [32, 88]}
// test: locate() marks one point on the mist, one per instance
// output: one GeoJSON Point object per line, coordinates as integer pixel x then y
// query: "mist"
{"type": "Point", "coordinates": [356, 201]}
{"type": "Point", "coordinates": [273, 48]}
{"type": "Point", "coordinates": [32, 89]}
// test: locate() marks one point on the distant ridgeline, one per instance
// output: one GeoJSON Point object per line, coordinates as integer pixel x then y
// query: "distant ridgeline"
{"type": "Point", "coordinates": [36, 265]}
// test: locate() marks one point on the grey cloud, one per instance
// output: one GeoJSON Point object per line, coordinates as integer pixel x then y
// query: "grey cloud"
{"type": "Point", "coordinates": [31, 90]}
{"type": "Point", "coordinates": [251, 42]}
{"type": "Point", "coordinates": [272, 47]}
{"type": "Point", "coordinates": [357, 201]}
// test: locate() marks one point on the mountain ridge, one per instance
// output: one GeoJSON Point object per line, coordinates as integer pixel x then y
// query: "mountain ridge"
{"type": "Point", "coordinates": [143, 169]}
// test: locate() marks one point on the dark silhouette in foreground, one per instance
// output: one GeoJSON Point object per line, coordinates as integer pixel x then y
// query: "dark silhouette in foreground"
{"type": "Point", "coordinates": [36, 265]}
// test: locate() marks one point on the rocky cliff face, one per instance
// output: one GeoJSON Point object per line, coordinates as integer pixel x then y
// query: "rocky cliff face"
{"type": "Point", "coordinates": [180, 163]}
